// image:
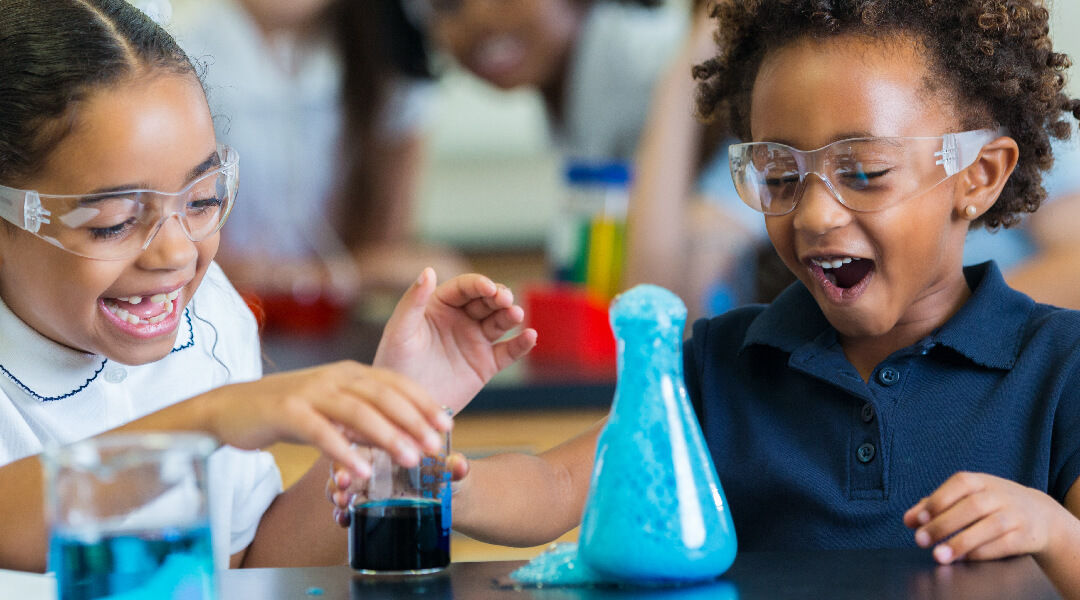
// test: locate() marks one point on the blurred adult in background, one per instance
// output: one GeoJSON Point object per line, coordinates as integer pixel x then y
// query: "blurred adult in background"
{"type": "Point", "coordinates": [328, 102]}
{"type": "Point", "coordinates": [687, 229]}
{"type": "Point", "coordinates": [594, 62]}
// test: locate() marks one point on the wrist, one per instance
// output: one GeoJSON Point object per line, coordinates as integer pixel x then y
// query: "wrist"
{"type": "Point", "coordinates": [1063, 536]}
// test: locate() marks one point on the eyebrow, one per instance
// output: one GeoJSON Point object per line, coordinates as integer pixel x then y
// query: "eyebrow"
{"type": "Point", "coordinates": [211, 161]}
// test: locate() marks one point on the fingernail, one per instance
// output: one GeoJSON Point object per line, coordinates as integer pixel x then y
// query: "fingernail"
{"type": "Point", "coordinates": [407, 455]}
{"type": "Point", "coordinates": [444, 420]}
{"type": "Point", "coordinates": [924, 517]}
{"type": "Point", "coordinates": [922, 538]}
{"type": "Point", "coordinates": [432, 442]}
{"type": "Point", "coordinates": [337, 480]}
{"type": "Point", "coordinates": [361, 469]}
{"type": "Point", "coordinates": [943, 554]}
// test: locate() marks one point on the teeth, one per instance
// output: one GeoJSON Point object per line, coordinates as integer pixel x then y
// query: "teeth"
{"type": "Point", "coordinates": [834, 264]}
{"type": "Point", "coordinates": [124, 315]}
{"type": "Point", "coordinates": [159, 298]}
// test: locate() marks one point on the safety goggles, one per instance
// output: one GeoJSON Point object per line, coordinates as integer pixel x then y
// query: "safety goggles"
{"type": "Point", "coordinates": [864, 174]}
{"type": "Point", "coordinates": [121, 224]}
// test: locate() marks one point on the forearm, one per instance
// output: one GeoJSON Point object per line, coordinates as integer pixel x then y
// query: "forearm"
{"type": "Point", "coordinates": [521, 500]}
{"type": "Point", "coordinates": [297, 531]}
{"type": "Point", "coordinates": [23, 535]}
{"type": "Point", "coordinates": [1061, 558]}
{"type": "Point", "coordinates": [666, 167]}
{"type": "Point", "coordinates": [1060, 563]}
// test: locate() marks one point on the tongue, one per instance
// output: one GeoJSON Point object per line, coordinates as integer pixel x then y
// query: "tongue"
{"type": "Point", "coordinates": [852, 273]}
{"type": "Point", "coordinates": [143, 310]}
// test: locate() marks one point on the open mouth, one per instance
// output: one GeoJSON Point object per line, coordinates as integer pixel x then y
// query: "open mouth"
{"type": "Point", "coordinates": [142, 310]}
{"type": "Point", "coordinates": [842, 272]}
{"type": "Point", "coordinates": [497, 57]}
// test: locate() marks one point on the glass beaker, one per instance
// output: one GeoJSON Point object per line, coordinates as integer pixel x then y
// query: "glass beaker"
{"type": "Point", "coordinates": [400, 522]}
{"type": "Point", "coordinates": [656, 511]}
{"type": "Point", "coordinates": [129, 517]}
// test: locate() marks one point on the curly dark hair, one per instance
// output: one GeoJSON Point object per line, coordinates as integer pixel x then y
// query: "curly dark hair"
{"type": "Point", "coordinates": [995, 56]}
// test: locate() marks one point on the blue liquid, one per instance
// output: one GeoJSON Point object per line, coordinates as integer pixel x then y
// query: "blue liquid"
{"type": "Point", "coordinates": [399, 536]}
{"type": "Point", "coordinates": [174, 564]}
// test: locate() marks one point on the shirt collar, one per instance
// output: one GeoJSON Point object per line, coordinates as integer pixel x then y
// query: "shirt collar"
{"type": "Point", "coordinates": [985, 330]}
{"type": "Point", "coordinates": [46, 370]}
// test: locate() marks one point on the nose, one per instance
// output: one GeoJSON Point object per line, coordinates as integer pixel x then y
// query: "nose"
{"type": "Point", "coordinates": [170, 247]}
{"type": "Point", "coordinates": [818, 210]}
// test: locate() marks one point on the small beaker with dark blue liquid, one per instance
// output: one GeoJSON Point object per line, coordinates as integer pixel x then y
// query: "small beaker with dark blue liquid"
{"type": "Point", "coordinates": [400, 522]}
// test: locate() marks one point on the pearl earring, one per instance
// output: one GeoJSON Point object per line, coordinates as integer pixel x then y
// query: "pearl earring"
{"type": "Point", "coordinates": [970, 211]}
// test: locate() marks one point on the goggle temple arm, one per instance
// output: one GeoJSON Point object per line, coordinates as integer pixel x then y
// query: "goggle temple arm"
{"type": "Point", "coordinates": [22, 208]}
{"type": "Point", "coordinates": [959, 150]}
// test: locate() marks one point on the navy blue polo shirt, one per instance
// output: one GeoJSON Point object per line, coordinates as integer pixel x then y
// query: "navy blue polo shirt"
{"type": "Point", "coordinates": [810, 456]}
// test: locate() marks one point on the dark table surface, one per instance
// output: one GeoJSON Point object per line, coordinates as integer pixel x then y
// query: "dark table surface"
{"type": "Point", "coordinates": [832, 575]}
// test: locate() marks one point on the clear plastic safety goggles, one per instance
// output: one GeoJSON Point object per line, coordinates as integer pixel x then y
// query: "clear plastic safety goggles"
{"type": "Point", "coordinates": [864, 174]}
{"type": "Point", "coordinates": [121, 224]}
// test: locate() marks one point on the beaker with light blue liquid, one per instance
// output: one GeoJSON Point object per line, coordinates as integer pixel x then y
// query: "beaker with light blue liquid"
{"type": "Point", "coordinates": [129, 517]}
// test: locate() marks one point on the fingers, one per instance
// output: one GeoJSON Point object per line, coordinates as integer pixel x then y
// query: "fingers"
{"type": "Point", "coordinates": [995, 536]}
{"type": "Point", "coordinates": [462, 290]}
{"type": "Point", "coordinates": [502, 321]}
{"type": "Point", "coordinates": [417, 421]}
{"type": "Point", "coordinates": [458, 466]}
{"type": "Point", "coordinates": [410, 308]}
{"type": "Point", "coordinates": [507, 352]}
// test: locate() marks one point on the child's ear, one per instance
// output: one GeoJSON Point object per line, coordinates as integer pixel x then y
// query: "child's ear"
{"type": "Point", "coordinates": [983, 180]}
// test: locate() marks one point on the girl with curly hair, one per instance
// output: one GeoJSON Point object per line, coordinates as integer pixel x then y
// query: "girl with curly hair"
{"type": "Point", "coordinates": [890, 397]}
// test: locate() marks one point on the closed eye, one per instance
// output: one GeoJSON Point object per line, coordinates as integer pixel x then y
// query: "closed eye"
{"type": "Point", "coordinates": [113, 232]}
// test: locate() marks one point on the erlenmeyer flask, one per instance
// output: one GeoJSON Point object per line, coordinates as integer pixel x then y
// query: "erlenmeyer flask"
{"type": "Point", "coordinates": [655, 510]}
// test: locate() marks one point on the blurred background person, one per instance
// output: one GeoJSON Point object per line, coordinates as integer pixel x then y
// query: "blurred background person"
{"type": "Point", "coordinates": [594, 62]}
{"type": "Point", "coordinates": [687, 229]}
{"type": "Point", "coordinates": [328, 101]}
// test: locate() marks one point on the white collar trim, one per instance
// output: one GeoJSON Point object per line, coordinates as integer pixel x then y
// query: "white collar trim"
{"type": "Point", "coordinates": [46, 370]}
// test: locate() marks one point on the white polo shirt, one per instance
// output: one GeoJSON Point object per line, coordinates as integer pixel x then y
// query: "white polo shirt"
{"type": "Point", "coordinates": [51, 393]}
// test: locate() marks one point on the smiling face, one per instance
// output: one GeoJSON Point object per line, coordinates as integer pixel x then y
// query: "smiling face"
{"type": "Point", "coordinates": [149, 132]}
{"type": "Point", "coordinates": [905, 272]}
{"type": "Point", "coordinates": [508, 43]}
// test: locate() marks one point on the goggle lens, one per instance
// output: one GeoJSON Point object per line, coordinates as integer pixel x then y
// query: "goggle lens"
{"type": "Point", "coordinates": [865, 174]}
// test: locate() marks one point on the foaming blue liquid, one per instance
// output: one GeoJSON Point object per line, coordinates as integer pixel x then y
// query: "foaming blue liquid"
{"type": "Point", "coordinates": [173, 564]}
{"type": "Point", "coordinates": [656, 511]}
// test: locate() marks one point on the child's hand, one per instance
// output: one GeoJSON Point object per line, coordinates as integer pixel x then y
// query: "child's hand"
{"type": "Point", "coordinates": [331, 407]}
{"type": "Point", "coordinates": [342, 486]}
{"type": "Point", "coordinates": [986, 517]}
{"type": "Point", "coordinates": [447, 338]}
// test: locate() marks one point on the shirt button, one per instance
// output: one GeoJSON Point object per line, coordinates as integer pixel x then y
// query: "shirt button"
{"type": "Point", "coordinates": [115, 375]}
{"type": "Point", "coordinates": [867, 413]}
{"type": "Point", "coordinates": [888, 376]}
{"type": "Point", "coordinates": [865, 453]}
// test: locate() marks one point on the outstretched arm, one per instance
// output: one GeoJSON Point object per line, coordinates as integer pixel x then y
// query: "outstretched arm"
{"type": "Point", "coordinates": [508, 499]}
{"type": "Point", "coordinates": [449, 338]}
